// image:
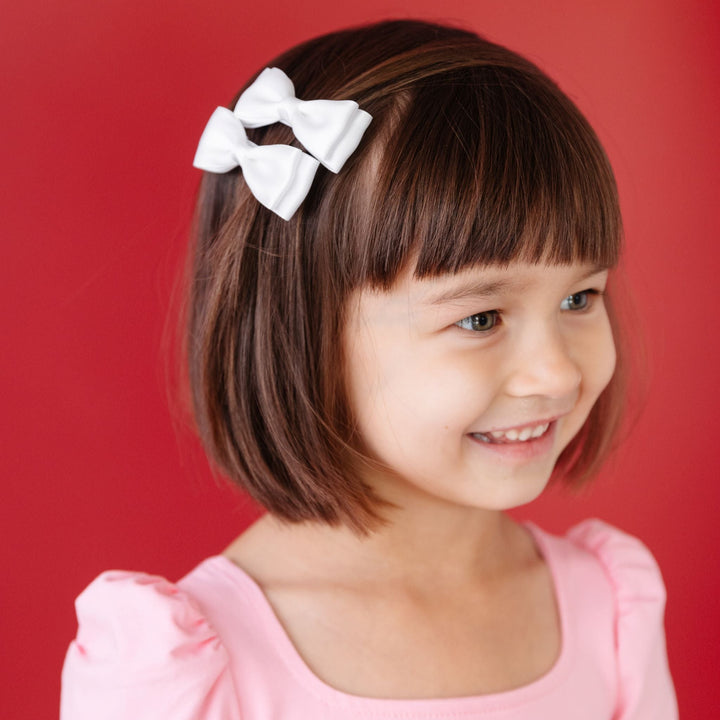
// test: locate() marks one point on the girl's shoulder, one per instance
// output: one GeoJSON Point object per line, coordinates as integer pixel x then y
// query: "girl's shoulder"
{"type": "Point", "coordinates": [626, 563]}
{"type": "Point", "coordinates": [599, 568]}
{"type": "Point", "coordinates": [630, 565]}
{"type": "Point", "coordinates": [611, 586]}
{"type": "Point", "coordinates": [145, 649]}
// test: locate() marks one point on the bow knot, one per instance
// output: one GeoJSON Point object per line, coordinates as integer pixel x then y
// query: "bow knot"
{"type": "Point", "coordinates": [286, 110]}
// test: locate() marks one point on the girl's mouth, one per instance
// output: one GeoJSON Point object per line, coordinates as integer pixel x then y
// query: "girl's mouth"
{"type": "Point", "coordinates": [514, 435]}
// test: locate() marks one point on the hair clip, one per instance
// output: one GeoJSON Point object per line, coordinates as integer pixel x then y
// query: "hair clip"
{"type": "Point", "coordinates": [330, 130]}
{"type": "Point", "coordinates": [279, 176]}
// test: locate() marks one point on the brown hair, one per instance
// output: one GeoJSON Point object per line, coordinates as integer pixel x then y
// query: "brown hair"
{"type": "Point", "coordinates": [474, 157]}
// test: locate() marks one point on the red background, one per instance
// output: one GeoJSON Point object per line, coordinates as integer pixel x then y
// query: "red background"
{"type": "Point", "coordinates": [103, 105]}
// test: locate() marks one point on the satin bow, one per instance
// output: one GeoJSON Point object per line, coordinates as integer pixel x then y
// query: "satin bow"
{"type": "Point", "coordinates": [279, 176]}
{"type": "Point", "coordinates": [329, 129]}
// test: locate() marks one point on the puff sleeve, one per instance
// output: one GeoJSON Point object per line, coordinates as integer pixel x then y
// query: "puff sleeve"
{"type": "Point", "coordinates": [646, 689]}
{"type": "Point", "coordinates": [143, 650]}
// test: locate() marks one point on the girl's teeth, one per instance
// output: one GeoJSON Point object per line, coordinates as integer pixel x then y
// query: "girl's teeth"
{"type": "Point", "coordinates": [514, 435]}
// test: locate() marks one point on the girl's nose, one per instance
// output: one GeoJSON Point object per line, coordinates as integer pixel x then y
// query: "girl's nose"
{"type": "Point", "coordinates": [544, 367]}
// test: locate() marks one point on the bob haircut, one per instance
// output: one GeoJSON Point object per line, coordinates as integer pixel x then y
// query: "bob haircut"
{"type": "Point", "coordinates": [474, 157]}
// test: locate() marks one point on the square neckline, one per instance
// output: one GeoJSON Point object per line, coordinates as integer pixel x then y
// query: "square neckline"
{"type": "Point", "coordinates": [399, 707]}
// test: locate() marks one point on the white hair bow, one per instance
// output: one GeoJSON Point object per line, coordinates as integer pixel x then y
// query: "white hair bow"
{"type": "Point", "coordinates": [279, 176]}
{"type": "Point", "coordinates": [329, 129]}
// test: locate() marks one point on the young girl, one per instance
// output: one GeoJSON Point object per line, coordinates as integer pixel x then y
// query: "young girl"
{"type": "Point", "coordinates": [388, 352]}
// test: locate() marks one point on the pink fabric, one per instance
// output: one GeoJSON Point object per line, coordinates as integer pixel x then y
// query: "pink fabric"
{"type": "Point", "coordinates": [211, 648]}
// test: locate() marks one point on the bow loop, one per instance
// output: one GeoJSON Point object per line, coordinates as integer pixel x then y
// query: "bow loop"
{"type": "Point", "coordinates": [279, 176]}
{"type": "Point", "coordinates": [330, 129]}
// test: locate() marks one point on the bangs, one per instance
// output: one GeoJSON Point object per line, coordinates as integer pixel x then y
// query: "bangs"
{"type": "Point", "coordinates": [487, 165]}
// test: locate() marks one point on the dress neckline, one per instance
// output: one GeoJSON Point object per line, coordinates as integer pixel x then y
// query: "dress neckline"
{"type": "Point", "coordinates": [433, 707]}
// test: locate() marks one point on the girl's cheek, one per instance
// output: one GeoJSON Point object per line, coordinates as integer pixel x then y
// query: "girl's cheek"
{"type": "Point", "coordinates": [612, 363]}
{"type": "Point", "coordinates": [604, 357]}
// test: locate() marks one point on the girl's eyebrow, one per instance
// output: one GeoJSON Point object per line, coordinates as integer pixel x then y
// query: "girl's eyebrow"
{"type": "Point", "coordinates": [478, 289]}
{"type": "Point", "coordinates": [471, 289]}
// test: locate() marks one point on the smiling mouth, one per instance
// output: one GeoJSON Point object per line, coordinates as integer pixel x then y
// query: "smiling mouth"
{"type": "Point", "coordinates": [513, 436]}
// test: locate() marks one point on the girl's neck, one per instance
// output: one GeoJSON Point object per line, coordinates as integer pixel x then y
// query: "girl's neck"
{"type": "Point", "coordinates": [419, 547]}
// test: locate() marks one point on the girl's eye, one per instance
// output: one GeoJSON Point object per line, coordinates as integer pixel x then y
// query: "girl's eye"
{"type": "Point", "coordinates": [578, 301]}
{"type": "Point", "coordinates": [480, 322]}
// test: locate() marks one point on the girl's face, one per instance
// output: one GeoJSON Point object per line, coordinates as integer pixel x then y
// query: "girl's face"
{"type": "Point", "coordinates": [468, 387]}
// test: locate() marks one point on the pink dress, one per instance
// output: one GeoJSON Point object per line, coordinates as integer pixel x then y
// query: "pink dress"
{"type": "Point", "coordinates": [211, 648]}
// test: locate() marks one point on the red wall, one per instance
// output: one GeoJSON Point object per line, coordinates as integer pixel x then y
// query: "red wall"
{"type": "Point", "coordinates": [103, 103]}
